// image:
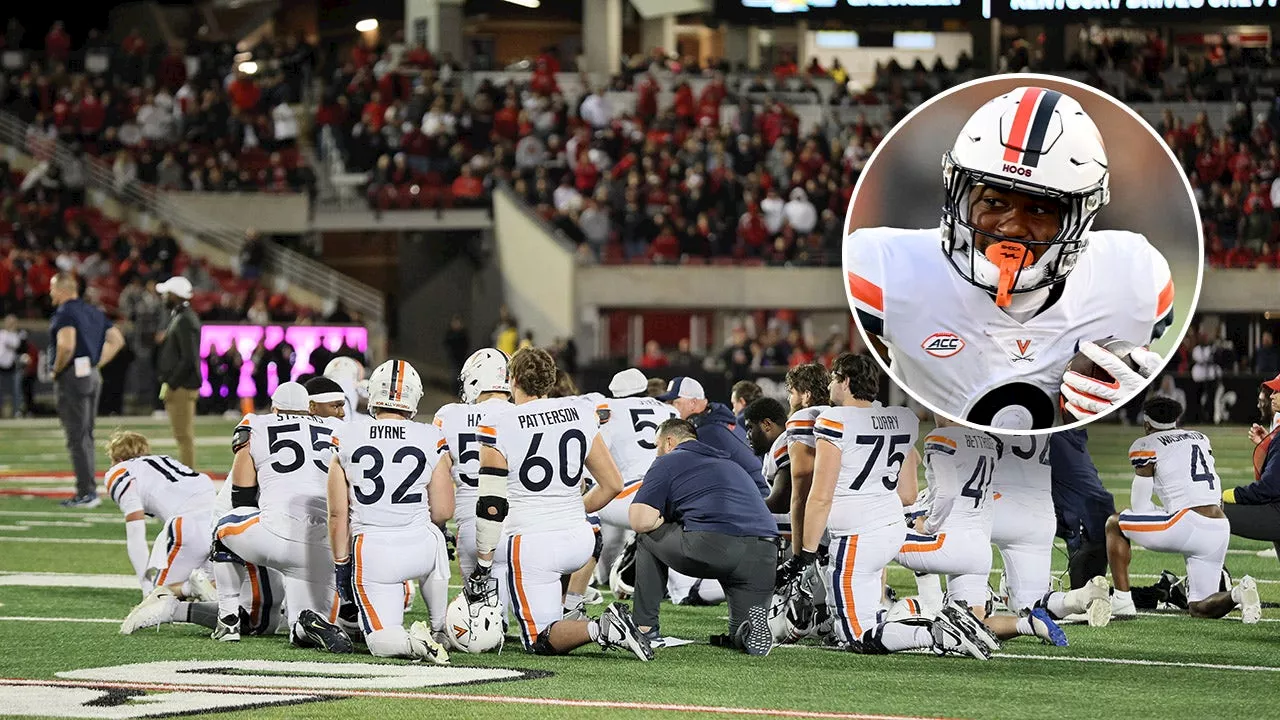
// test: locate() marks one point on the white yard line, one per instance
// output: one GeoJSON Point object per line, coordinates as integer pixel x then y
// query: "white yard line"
{"type": "Point", "coordinates": [62, 541]}
{"type": "Point", "coordinates": [24, 618]}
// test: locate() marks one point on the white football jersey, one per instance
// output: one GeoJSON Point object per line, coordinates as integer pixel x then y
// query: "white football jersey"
{"type": "Point", "coordinates": [800, 425]}
{"type": "Point", "coordinates": [1186, 476]}
{"type": "Point", "coordinates": [776, 459]}
{"type": "Point", "coordinates": [460, 424]}
{"type": "Point", "coordinates": [959, 464]}
{"type": "Point", "coordinates": [388, 465]}
{"type": "Point", "coordinates": [159, 486]}
{"type": "Point", "coordinates": [951, 344]}
{"type": "Point", "coordinates": [1023, 474]}
{"type": "Point", "coordinates": [545, 443]}
{"type": "Point", "coordinates": [874, 442]}
{"type": "Point", "coordinates": [291, 452]}
{"type": "Point", "coordinates": [630, 432]}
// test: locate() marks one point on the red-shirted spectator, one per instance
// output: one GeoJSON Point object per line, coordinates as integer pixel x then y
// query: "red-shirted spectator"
{"type": "Point", "coordinates": [57, 44]}
{"type": "Point", "coordinates": [653, 357]}
{"type": "Point", "coordinates": [173, 69]}
{"type": "Point", "coordinates": [786, 68]}
{"type": "Point", "coordinates": [1241, 165]}
{"type": "Point", "coordinates": [815, 69]}
{"type": "Point", "coordinates": [752, 232]}
{"type": "Point", "coordinates": [506, 122]}
{"type": "Point", "coordinates": [684, 102]}
{"type": "Point", "coordinates": [418, 56]}
{"type": "Point", "coordinates": [63, 111]}
{"type": "Point", "coordinates": [133, 44]}
{"type": "Point", "coordinates": [665, 247]}
{"type": "Point", "coordinates": [92, 115]}
{"type": "Point", "coordinates": [39, 276]}
{"type": "Point", "coordinates": [362, 56]}
{"type": "Point", "coordinates": [244, 93]}
{"type": "Point", "coordinates": [374, 114]}
{"type": "Point", "coordinates": [646, 98]}
{"type": "Point", "coordinates": [1210, 165]}
{"type": "Point", "coordinates": [543, 81]}
{"type": "Point", "coordinates": [467, 188]}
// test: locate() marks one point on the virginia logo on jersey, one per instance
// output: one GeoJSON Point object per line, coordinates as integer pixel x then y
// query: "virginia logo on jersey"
{"type": "Point", "coordinates": [942, 344]}
{"type": "Point", "coordinates": [1024, 353]}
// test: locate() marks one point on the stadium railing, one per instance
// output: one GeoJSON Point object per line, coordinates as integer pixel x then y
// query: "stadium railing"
{"type": "Point", "coordinates": [297, 270]}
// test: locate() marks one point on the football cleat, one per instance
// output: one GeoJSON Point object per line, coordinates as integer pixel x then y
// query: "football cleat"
{"type": "Point", "coordinates": [156, 609]}
{"type": "Point", "coordinates": [618, 630]}
{"type": "Point", "coordinates": [754, 635]}
{"type": "Point", "coordinates": [949, 638]}
{"type": "Point", "coordinates": [592, 596]}
{"type": "Point", "coordinates": [1096, 597]}
{"type": "Point", "coordinates": [312, 631]}
{"type": "Point", "coordinates": [1175, 589]}
{"type": "Point", "coordinates": [1047, 630]}
{"type": "Point", "coordinates": [424, 644]}
{"type": "Point", "coordinates": [1250, 603]}
{"type": "Point", "coordinates": [654, 636]}
{"type": "Point", "coordinates": [227, 629]}
{"type": "Point", "coordinates": [576, 613]}
{"type": "Point", "coordinates": [349, 621]}
{"type": "Point", "coordinates": [84, 502]}
{"type": "Point", "coordinates": [201, 586]}
{"type": "Point", "coordinates": [958, 612]}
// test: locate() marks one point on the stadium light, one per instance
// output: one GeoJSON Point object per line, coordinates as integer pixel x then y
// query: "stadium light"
{"type": "Point", "coordinates": [249, 68]}
{"type": "Point", "coordinates": [527, 3]}
{"type": "Point", "coordinates": [367, 25]}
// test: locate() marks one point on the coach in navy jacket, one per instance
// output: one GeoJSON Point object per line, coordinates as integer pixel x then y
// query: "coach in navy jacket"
{"type": "Point", "coordinates": [1254, 509]}
{"type": "Point", "coordinates": [700, 514]}
{"type": "Point", "coordinates": [716, 425]}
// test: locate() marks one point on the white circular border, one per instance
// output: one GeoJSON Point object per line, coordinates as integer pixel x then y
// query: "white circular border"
{"type": "Point", "coordinates": [1032, 78]}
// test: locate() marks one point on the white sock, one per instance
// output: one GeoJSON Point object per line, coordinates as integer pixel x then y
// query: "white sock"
{"type": "Point", "coordinates": [896, 637]}
{"type": "Point", "coordinates": [229, 578]}
{"type": "Point", "coordinates": [572, 601]}
{"type": "Point", "coordinates": [929, 588]}
{"type": "Point", "coordinates": [1124, 598]}
{"type": "Point", "coordinates": [1235, 594]}
{"type": "Point", "coordinates": [1024, 626]}
{"type": "Point", "coordinates": [593, 630]}
{"type": "Point", "coordinates": [186, 590]}
{"type": "Point", "coordinates": [1057, 605]}
{"type": "Point", "coordinates": [436, 593]}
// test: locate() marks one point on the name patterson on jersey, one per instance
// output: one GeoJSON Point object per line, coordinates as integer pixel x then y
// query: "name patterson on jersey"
{"type": "Point", "coordinates": [884, 422]}
{"type": "Point", "coordinates": [386, 432]}
{"type": "Point", "coordinates": [549, 417]}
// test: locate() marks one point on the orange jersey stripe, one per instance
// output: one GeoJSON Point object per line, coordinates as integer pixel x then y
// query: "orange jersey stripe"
{"type": "Point", "coordinates": [1165, 301]}
{"type": "Point", "coordinates": [629, 490]}
{"type": "Point", "coordinates": [365, 605]}
{"type": "Point", "coordinates": [866, 292]}
{"type": "Point", "coordinates": [228, 530]}
{"type": "Point", "coordinates": [486, 430]}
{"type": "Point", "coordinates": [941, 440]}
{"type": "Point", "coordinates": [829, 423]}
{"type": "Point", "coordinates": [113, 477]}
{"type": "Point", "coordinates": [173, 552]}
{"type": "Point", "coordinates": [526, 614]}
{"type": "Point", "coordinates": [1142, 453]}
{"type": "Point", "coordinates": [255, 608]}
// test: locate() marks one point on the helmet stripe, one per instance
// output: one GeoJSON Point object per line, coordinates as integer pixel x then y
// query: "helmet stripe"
{"type": "Point", "coordinates": [399, 380]}
{"type": "Point", "coordinates": [391, 384]}
{"type": "Point", "coordinates": [1040, 127]}
{"type": "Point", "coordinates": [1021, 124]}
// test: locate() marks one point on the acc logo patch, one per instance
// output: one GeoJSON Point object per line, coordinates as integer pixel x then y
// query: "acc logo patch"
{"type": "Point", "coordinates": [943, 344]}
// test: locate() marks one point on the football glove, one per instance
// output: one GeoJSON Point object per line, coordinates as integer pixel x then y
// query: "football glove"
{"type": "Point", "coordinates": [1086, 397]}
{"type": "Point", "coordinates": [479, 585]}
{"type": "Point", "coordinates": [791, 569]}
{"type": "Point", "coordinates": [450, 541]}
{"type": "Point", "coordinates": [342, 573]}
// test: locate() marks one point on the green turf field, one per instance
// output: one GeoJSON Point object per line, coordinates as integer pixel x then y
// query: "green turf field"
{"type": "Point", "coordinates": [65, 583]}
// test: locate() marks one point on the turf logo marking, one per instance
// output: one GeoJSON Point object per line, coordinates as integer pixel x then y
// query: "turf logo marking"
{"type": "Point", "coordinates": [36, 700]}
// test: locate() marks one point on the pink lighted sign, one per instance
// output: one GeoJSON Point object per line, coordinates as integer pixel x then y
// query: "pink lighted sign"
{"type": "Point", "coordinates": [303, 338]}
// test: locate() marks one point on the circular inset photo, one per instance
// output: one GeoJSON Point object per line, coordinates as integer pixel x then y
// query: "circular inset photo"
{"type": "Point", "coordinates": [1023, 253]}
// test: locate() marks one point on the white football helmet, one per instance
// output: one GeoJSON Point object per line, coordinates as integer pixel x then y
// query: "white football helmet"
{"type": "Point", "coordinates": [485, 371]}
{"type": "Point", "coordinates": [1034, 141]}
{"type": "Point", "coordinates": [345, 371]}
{"type": "Point", "coordinates": [395, 385]}
{"type": "Point", "coordinates": [475, 627]}
{"type": "Point", "coordinates": [622, 576]}
{"type": "Point", "coordinates": [790, 613]}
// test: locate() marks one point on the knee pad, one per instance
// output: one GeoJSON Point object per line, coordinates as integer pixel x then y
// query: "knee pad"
{"type": "Point", "coordinates": [542, 646]}
{"type": "Point", "coordinates": [599, 546]}
{"type": "Point", "coordinates": [492, 508]}
{"type": "Point", "coordinates": [871, 642]}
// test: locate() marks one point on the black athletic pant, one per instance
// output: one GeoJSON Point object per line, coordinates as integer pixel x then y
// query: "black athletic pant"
{"type": "Point", "coordinates": [745, 567]}
{"type": "Point", "coordinates": [1256, 522]}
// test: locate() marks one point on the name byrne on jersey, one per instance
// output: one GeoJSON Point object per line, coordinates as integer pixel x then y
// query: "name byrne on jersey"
{"type": "Point", "coordinates": [386, 432]}
{"type": "Point", "coordinates": [549, 417]}
{"type": "Point", "coordinates": [884, 422]}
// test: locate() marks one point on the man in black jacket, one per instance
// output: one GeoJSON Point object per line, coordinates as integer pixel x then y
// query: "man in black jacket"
{"type": "Point", "coordinates": [178, 366]}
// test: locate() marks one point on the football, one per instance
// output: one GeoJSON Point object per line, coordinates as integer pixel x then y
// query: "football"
{"type": "Point", "coordinates": [1087, 367]}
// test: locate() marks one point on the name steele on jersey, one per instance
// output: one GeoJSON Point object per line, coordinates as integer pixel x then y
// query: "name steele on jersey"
{"type": "Point", "coordinates": [549, 417]}
{"type": "Point", "coordinates": [942, 344]}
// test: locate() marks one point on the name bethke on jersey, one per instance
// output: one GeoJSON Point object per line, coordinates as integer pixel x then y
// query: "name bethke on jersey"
{"type": "Point", "coordinates": [549, 417]}
{"type": "Point", "coordinates": [386, 432]}
{"type": "Point", "coordinates": [980, 442]}
{"type": "Point", "coordinates": [884, 422]}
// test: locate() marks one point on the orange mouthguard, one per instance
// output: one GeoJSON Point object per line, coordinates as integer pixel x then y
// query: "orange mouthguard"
{"type": "Point", "coordinates": [1010, 257]}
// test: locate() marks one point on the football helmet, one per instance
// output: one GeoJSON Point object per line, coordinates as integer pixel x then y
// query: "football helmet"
{"type": "Point", "coordinates": [1035, 141]}
{"type": "Point", "coordinates": [790, 613]}
{"type": "Point", "coordinates": [395, 385]}
{"type": "Point", "coordinates": [475, 627]}
{"type": "Point", "coordinates": [622, 575]}
{"type": "Point", "coordinates": [485, 371]}
{"type": "Point", "coordinates": [345, 371]}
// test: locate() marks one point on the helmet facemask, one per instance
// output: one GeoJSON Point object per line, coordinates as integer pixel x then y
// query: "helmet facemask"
{"type": "Point", "coordinates": [1060, 253]}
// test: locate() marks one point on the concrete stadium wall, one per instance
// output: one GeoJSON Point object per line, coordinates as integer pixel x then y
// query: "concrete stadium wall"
{"type": "Point", "coordinates": [537, 268]}
{"type": "Point", "coordinates": [711, 288]}
{"type": "Point", "coordinates": [1226, 291]}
